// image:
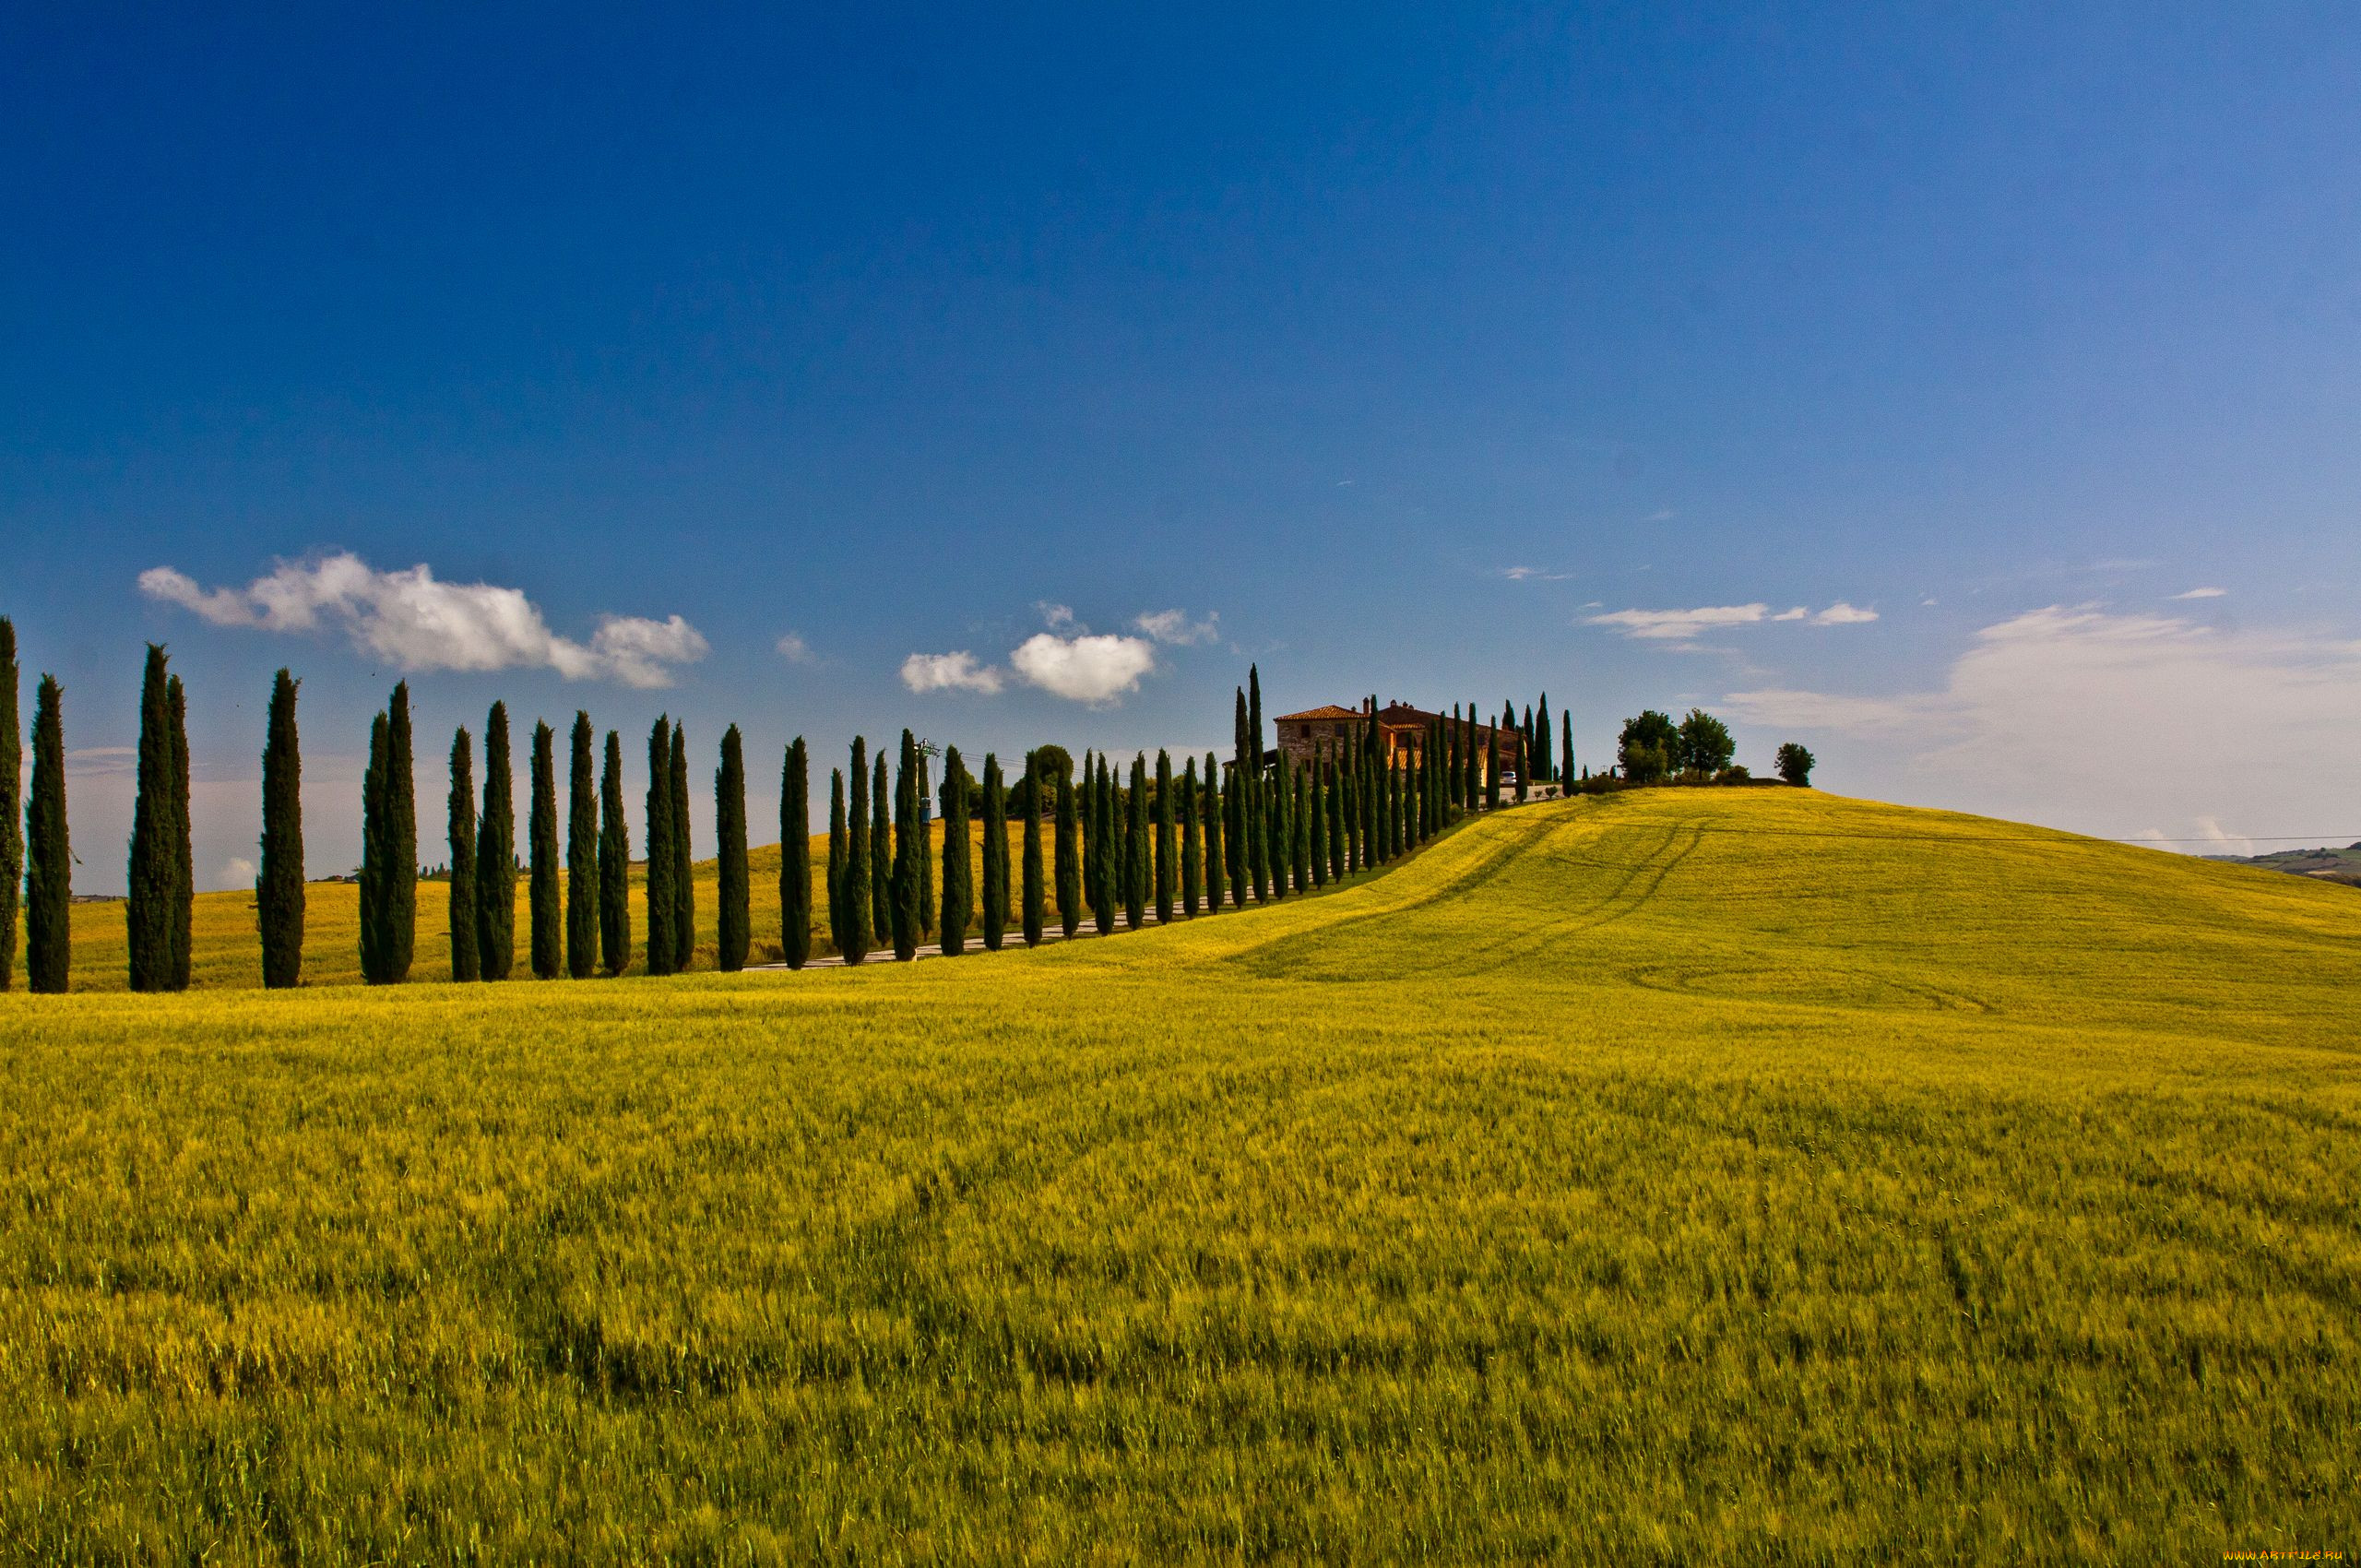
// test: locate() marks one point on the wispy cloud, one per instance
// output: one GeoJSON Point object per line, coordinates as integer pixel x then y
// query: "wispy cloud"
{"type": "Point", "coordinates": [416, 622]}
{"type": "Point", "coordinates": [1686, 625]}
{"type": "Point", "coordinates": [1533, 575]}
{"type": "Point", "coordinates": [2202, 593]}
{"type": "Point", "coordinates": [949, 672]}
{"type": "Point", "coordinates": [1057, 617]}
{"type": "Point", "coordinates": [794, 649]}
{"type": "Point", "coordinates": [1174, 626]}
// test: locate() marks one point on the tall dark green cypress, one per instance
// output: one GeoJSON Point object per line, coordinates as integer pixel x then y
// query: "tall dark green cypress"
{"type": "Point", "coordinates": [1451, 758]}
{"type": "Point", "coordinates": [1544, 770]}
{"type": "Point", "coordinates": [1102, 832]}
{"type": "Point", "coordinates": [1167, 847]}
{"type": "Point", "coordinates": [1524, 755]}
{"type": "Point", "coordinates": [278, 890]}
{"type": "Point", "coordinates": [12, 804]}
{"type": "Point", "coordinates": [582, 852]}
{"type": "Point", "coordinates": [614, 863]}
{"type": "Point", "coordinates": [907, 852]}
{"type": "Point", "coordinates": [1276, 827]}
{"type": "Point", "coordinates": [1091, 846]}
{"type": "Point", "coordinates": [922, 853]}
{"type": "Point", "coordinates": [684, 882]}
{"type": "Point", "coordinates": [840, 906]}
{"type": "Point", "coordinates": [852, 937]}
{"type": "Point", "coordinates": [374, 809]}
{"type": "Point", "coordinates": [733, 882]}
{"type": "Point", "coordinates": [1193, 857]}
{"type": "Point", "coordinates": [182, 912]}
{"type": "Point", "coordinates": [1210, 809]}
{"type": "Point", "coordinates": [1068, 867]}
{"type": "Point", "coordinates": [1259, 847]}
{"type": "Point", "coordinates": [1137, 874]}
{"type": "Point", "coordinates": [1338, 866]}
{"type": "Point", "coordinates": [1492, 770]}
{"type": "Point", "coordinates": [496, 853]}
{"type": "Point", "coordinates": [795, 857]}
{"type": "Point", "coordinates": [1565, 750]}
{"type": "Point", "coordinates": [1472, 751]}
{"type": "Point", "coordinates": [48, 858]}
{"type": "Point", "coordinates": [459, 816]}
{"type": "Point", "coordinates": [661, 904]}
{"type": "Point", "coordinates": [1316, 822]}
{"type": "Point", "coordinates": [1034, 894]}
{"type": "Point", "coordinates": [1234, 793]}
{"type": "Point", "coordinates": [401, 851]}
{"type": "Point", "coordinates": [880, 852]}
{"type": "Point", "coordinates": [153, 870]}
{"type": "Point", "coordinates": [544, 909]}
{"type": "Point", "coordinates": [995, 853]}
{"type": "Point", "coordinates": [957, 894]}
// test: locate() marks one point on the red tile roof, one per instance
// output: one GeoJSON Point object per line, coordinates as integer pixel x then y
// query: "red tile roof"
{"type": "Point", "coordinates": [1326, 710]}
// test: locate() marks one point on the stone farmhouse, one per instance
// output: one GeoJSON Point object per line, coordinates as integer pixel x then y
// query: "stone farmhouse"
{"type": "Point", "coordinates": [1402, 732]}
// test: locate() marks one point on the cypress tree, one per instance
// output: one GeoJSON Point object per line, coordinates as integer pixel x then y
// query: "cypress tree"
{"type": "Point", "coordinates": [496, 853]}
{"type": "Point", "coordinates": [840, 906]}
{"type": "Point", "coordinates": [48, 858]}
{"type": "Point", "coordinates": [1338, 866]}
{"type": "Point", "coordinates": [614, 863]}
{"type": "Point", "coordinates": [183, 917]}
{"type": "Point", "coordinates": [401, 853]}
{"type": "Point", "coordinates": [546, 914]}
{"type": "Point", "coordinates": [1192, 863]}
{"type": "Point", "coordinates": [460, 834]}
{"type": "Point", "coordinates": [733, 922]}
{"type": "Point", "coordinates": [923, 853]}
{"type": "Point", "coordinates": [1136, 873]}
{"type": "Point", "coordinates": [881, 853]}
{"type": "Point", "coordinates": [1102, 828]}
{"type": "Point", "coordinates": [1274, 826]}
{"type": "Point", "coordinates": [373, 808]}
{"type": "Point", "coordinates": [1544, 771]}
{"type": "Point", "coordinates": [279, 891]}
{"type": "Point", "coordinates": [684, 885]}
{"type": "Point", "coordinates": [996, 854]}
{"type": "Point", "coordinates": [1492, 770]}
{"type": "Point", "coordinates": [582, 854]}
{"type": "Point", "coordinates": [1210, 807]}
{"type": "Point", "coordinates": [958, 893]}
{"type": "Point", "coordinates": [853, 936]}
{"type": "Point", "coordinates": [1300, 813]}
{"type": "Point", "coordinates": [906, 853]}
{"type": "Point", "coordinates": [1472, 786]}
{"type": "Point", "coordinates": [1087, 792]}
{"type": "Point", "coordinates": [1524, 755]}
{"type": "Point", "coordinates": [1069, 848]}
{"type": "Point", "coordinates": [1566, 748]}
{"type": "Point", "coordinates": [795, 858]}
{"type": "Point", "coordinates": [154, 867]}
{"type": "Point", "coordinates": [1316, 822]}
{"type": "Point", "coordinates": [1036, 899]}
{"type": "Point", "coordinates": [1168, 849]}
{"type": "Point", "coordinates": [12, 804]}
{"type": "Point", "coordinates": [661, 904]}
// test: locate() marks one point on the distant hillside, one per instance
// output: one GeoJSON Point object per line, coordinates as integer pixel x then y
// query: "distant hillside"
{"type": "Point", "coordinates": [2326, 865]}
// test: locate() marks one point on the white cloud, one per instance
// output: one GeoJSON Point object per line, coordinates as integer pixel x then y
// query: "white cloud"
{"type": "Point", "coordinates": [416, 622]}
{"type": "Point", "coordinates": [1665, 514]}
{"type": "Point", "coordinates": [2109, 723]}
{"type": "Point", "coordinates": [1057, 617]}
{"type": "Point", "coordinates": [1679, 625]}
{"type": "Point", "coordinates": [1843, 614]}
{"type": "Point", "coordinates": [1175, 627]}
{"type": "Point", "coordinates": [793, 649]}
{"type": "Point", "coordinates": [1798, 614]}
{"type": "Point", "coordinates": [238, 871]}
{"type": "Point", "coordinates": [1533, 573]}
{"type": "Point", "coordinates": [2202, 593]}
{"type": "Point", "coordinates": [949, 672]}
{"type": "Point", "coordinates": [1087, 669]}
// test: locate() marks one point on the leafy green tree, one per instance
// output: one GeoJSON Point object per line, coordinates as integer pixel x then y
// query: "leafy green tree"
{"type": "Point", "coordinates": [49, 857]}
{"type": "Point", "coordinates": [12, 804]}
{"type": "Point", "coordinates": [581, 853]}
{"type": "Point", "coordinates": [1706, 744]}
{"type": "Point", "coordinates": [182, 910]}
{"type": "Point", "coordinates": [154, 872]}
{"type": "Point", "coordinates": [661, 904]}
{"type": "Point", "coordinates": [957, 899]}
{"type": "Point", "coordinates": [543, 901]}
{"type": "Point", "coordinates": [1648, 748]}
{"type": "Point", "coordinates": [1192, 863]}
{"type": "Point", "coordinates": [853, 936]}
{"type": "Point", "coordinates": [839, 847]}
{"type": "Point", "coordinates": [1794, 765]}
{"type": "Point", "coordinates": [996, 853]}
{"type": "Point", "coordinates": [459, 809]}
{"type": "Point", "coordinates": [614, 862]}
{"type": "Point", "coordinates": [1210, 807]}
{"type": "Point", "coordinates": [1036, 900]}
{"type": "Point", "coordinates": [881, 852]}
{"type": "Point", "coordinates": [374, 809]}
{"type": "Point", "coordinates": [684, 886]}
{"type": "Point", "coordinates": [733, 922]}
{"type": "Point", "coordinates": [496, 853]}
{"type": "Point", "coordinates": [1069, 869]}
{"type": "Point", "coordinates": [279, 891]}
{"type": "Point", "coordinates": [401, 853]}
{"type": "Point", "coordinates": [795, 857]}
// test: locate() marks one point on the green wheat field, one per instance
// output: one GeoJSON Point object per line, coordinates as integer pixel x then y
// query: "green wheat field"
{"type": "Point", "coordinates": [1679, 1176]}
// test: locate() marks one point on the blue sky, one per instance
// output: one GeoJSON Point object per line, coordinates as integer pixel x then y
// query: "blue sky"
{"type": "Point", "coordinates": [1398, 351]}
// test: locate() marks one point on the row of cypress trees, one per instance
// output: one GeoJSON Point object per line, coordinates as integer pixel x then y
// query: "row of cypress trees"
{"type": "Point", "coordinates": [37, 858]}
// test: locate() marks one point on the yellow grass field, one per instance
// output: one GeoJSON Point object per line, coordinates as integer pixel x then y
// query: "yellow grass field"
{"type": "Point", "coordinates": [1679, 1176]}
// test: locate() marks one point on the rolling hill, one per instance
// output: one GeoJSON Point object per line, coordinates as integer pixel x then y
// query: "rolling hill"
{"type": "Point", "coordinates": [1676, 1175]}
